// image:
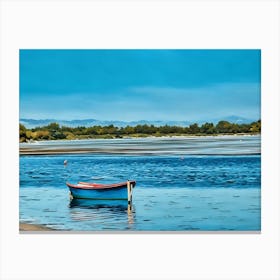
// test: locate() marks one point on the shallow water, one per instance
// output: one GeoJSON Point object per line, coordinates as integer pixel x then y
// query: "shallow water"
{"type": "Point", "coordinates": [174, 192]}
{"type": "Point", "coordinates": [204, 145]}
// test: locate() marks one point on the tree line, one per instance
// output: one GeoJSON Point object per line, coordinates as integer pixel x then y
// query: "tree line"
{"type": "Point", "coordinates": [54, 131]}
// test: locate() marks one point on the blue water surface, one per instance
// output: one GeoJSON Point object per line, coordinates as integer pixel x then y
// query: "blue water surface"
{"type": "Point", "coordinates": [173, 192]}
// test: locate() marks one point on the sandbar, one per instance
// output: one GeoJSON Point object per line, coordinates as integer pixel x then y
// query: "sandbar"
{"type": "Point", "coordinates": [231, 144]}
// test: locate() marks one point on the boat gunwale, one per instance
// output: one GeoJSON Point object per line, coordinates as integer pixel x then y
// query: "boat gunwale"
{"type": "Point", "coordinates": [93, 186]}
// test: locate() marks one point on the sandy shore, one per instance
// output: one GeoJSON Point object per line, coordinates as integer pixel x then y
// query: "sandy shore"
{"type": "Point", "coordinates": [148, 145]}
{"type": "Point", "coordinates": [30, 227]}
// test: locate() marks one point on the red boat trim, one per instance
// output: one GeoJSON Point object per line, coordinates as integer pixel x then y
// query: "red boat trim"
{"type": "Point", "coordinates": [107, 185]}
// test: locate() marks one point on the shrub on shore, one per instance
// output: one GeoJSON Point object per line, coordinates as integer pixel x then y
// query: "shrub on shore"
{"type": "Point", "coordinates": [54, 131]}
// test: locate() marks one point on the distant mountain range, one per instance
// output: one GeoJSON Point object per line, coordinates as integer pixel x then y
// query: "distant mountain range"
{"type": "Point", "coordinates": [31, 123]}
{"type": "Point", "coordinates": [232, 119]}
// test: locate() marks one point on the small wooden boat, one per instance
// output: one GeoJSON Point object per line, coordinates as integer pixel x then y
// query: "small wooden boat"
{"type": "Point", "coordinates": [84, 190]}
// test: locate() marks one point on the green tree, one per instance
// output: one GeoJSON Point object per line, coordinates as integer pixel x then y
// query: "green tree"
{"type": "Point", "coordinates": [255, 127]}
{"type": "Point", "coordinates": [194, 128]}
{"type": "Point", "coordinates": [129, 130]}
{"type": "Point", "coordinates": [223, 127]}
{"type": "Point", "coordinates": [22, 133]}
{"type": "Point", "coordinates": [207, 128]}
{"type": "Point", "coordinates": [53, 126]}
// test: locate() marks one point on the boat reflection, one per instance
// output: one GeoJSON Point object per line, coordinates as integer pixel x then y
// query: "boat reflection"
{"type": "Point", "coordinates": [101, 210]}
{"type": "Point", "coordinates": [116, 205]}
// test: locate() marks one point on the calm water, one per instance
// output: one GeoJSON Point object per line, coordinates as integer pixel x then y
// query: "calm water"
{"type": "Point", "coordinates": [186, 184]}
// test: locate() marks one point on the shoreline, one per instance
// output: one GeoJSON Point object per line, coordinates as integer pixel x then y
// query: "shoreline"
{"type": "Point", "coordinates": [111, 146]}
{"type": "Point", "coordinates": [182, 136]}
{"type": "Point", "coordinates": [33, 227]}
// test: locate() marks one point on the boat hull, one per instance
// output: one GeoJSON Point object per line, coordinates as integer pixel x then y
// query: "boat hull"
{"type": "Point", "coordinates": [105, 194]}
{"type": "Point", "coordinates": [120, 191]}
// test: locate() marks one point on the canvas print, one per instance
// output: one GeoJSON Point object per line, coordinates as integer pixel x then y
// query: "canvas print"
{"type": "Point", "coordinates": [140, 140]}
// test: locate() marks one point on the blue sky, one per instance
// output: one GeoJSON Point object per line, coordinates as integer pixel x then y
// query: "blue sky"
{"type": "Point", "coordinates": [132, 85]}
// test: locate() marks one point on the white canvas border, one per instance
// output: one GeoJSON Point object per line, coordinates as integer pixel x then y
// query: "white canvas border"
{"type": "Point", "coordinates": [140, 24]}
